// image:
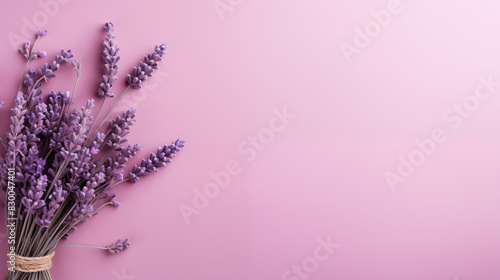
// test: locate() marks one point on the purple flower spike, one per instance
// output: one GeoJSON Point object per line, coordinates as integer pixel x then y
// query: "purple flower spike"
{"type": "Point", "coordinates": [146, 67]}
{"type": "Point", "coordinates": [32, 197]}
{"type": "Point", "coordinates": [160, 159]}
{"type": "Point", "coordinates": [47, 71]}
{"type": "Point", "coordinates": [110, 58]}
{"type": "Point", "coordinates": [119, 129]}
{"type": "Point", "coordinates": [29, 54]}
{"type": "Point", "coordinates": [40, 33]}
{"type": "Point", "coordinates": [1, 104]}
{"type": "Point", "coordinates": [118, 246]}
{"type": "Point", "coordinates": [25, 51]}
{"type": "Point", "coordinates": [66, 54]}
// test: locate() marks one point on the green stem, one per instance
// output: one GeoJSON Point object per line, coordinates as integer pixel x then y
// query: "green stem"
{"type": "Point", "coordinates": [105, 188]}
{"type": "Point", "coordinates": [60, 170]}
{"type": "Point", "coordinates": [81, 245]}
{"type": "Point", "coordinates": [74, 90]}
{"type": "Point", "coordinates": [100, 207]}
{"type": "Point", "coordinates": [114, 107]}
{"type": "Point", "coordinates": [22, 77]}
{"type": "Point", "coordinates": [92, 124]}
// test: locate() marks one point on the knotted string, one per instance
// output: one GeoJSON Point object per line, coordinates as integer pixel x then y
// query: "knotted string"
{"type": "Point", "coordinates": [33, 264]}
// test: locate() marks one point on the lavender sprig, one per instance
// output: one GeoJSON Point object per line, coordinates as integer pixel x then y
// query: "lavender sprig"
{"type": "Point", "coordinates": [45, 74]}
{"type": "Point", "coordinates": [32, 200]}
{"type": "Point", "coordinates": [28, 53]}
{"type": "Point", "coordinates": [160, 159]}
{"type": "Point", "coordinates": [114, 169]}
{"type": "Point", "coordinates": [55, 199]}
{"type": "Point", "coordinates": [139, 75]}
{"type": "Point", "coordinates": [118, 246]}
{"type": "Point", "coordinates": [77, 66]}
{"type": "Point", "coordinates": [47, 71]}
{"type": "Point", "coordinates": [146, 67]}
{"type": "Point", "coordinates": [16, 141]}
{"type": "Point", "coordinates": [110, 58]}
{"type": "Point", "coordinates": [113, 248]}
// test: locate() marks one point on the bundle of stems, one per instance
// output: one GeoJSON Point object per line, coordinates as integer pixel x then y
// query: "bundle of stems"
{"type": "Point", "coordinates": [58, 169]}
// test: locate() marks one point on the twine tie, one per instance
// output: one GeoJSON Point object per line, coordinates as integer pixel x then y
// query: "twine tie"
{"type": "Point", "coordinates": [33, 264]}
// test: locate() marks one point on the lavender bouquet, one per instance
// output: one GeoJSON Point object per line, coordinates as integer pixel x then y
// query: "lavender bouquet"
{"type": "Point", "coordinates": [57, 169]}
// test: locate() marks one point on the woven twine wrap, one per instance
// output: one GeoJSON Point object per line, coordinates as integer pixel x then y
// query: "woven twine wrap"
{"type": "Point", "coordinates": [26, 264]}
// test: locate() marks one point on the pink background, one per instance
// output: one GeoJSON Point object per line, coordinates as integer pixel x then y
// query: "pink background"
{"type": "Point", "coordinates": [323, 173]}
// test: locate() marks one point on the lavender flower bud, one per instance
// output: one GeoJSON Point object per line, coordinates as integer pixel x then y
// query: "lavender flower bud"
{"type": "Point", "coordinates": [118, 246]}
{"type": "Point", "coordinates": [66, 54]}
{"type": "Point", "coordinates": [40, 33]}
{"type": "Point", "coordinates": [30, 79]}
{"type": "Point", "coordinates": [96, 143]}
{"type": "Point", "coordinates": [114, 203]}
{"type": "Point", "coordinates": [25, 51]}
{"type": "Point", "coordinates": [146, 67]}
{"type": "Point", "coordinates": [109, 27]}
{"type": "Point", "coordinates": [47, 72]}
{"type": "Point", "coordinates": [85, 195]}
{"type": "Point", "coordinates": [77, 65]}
